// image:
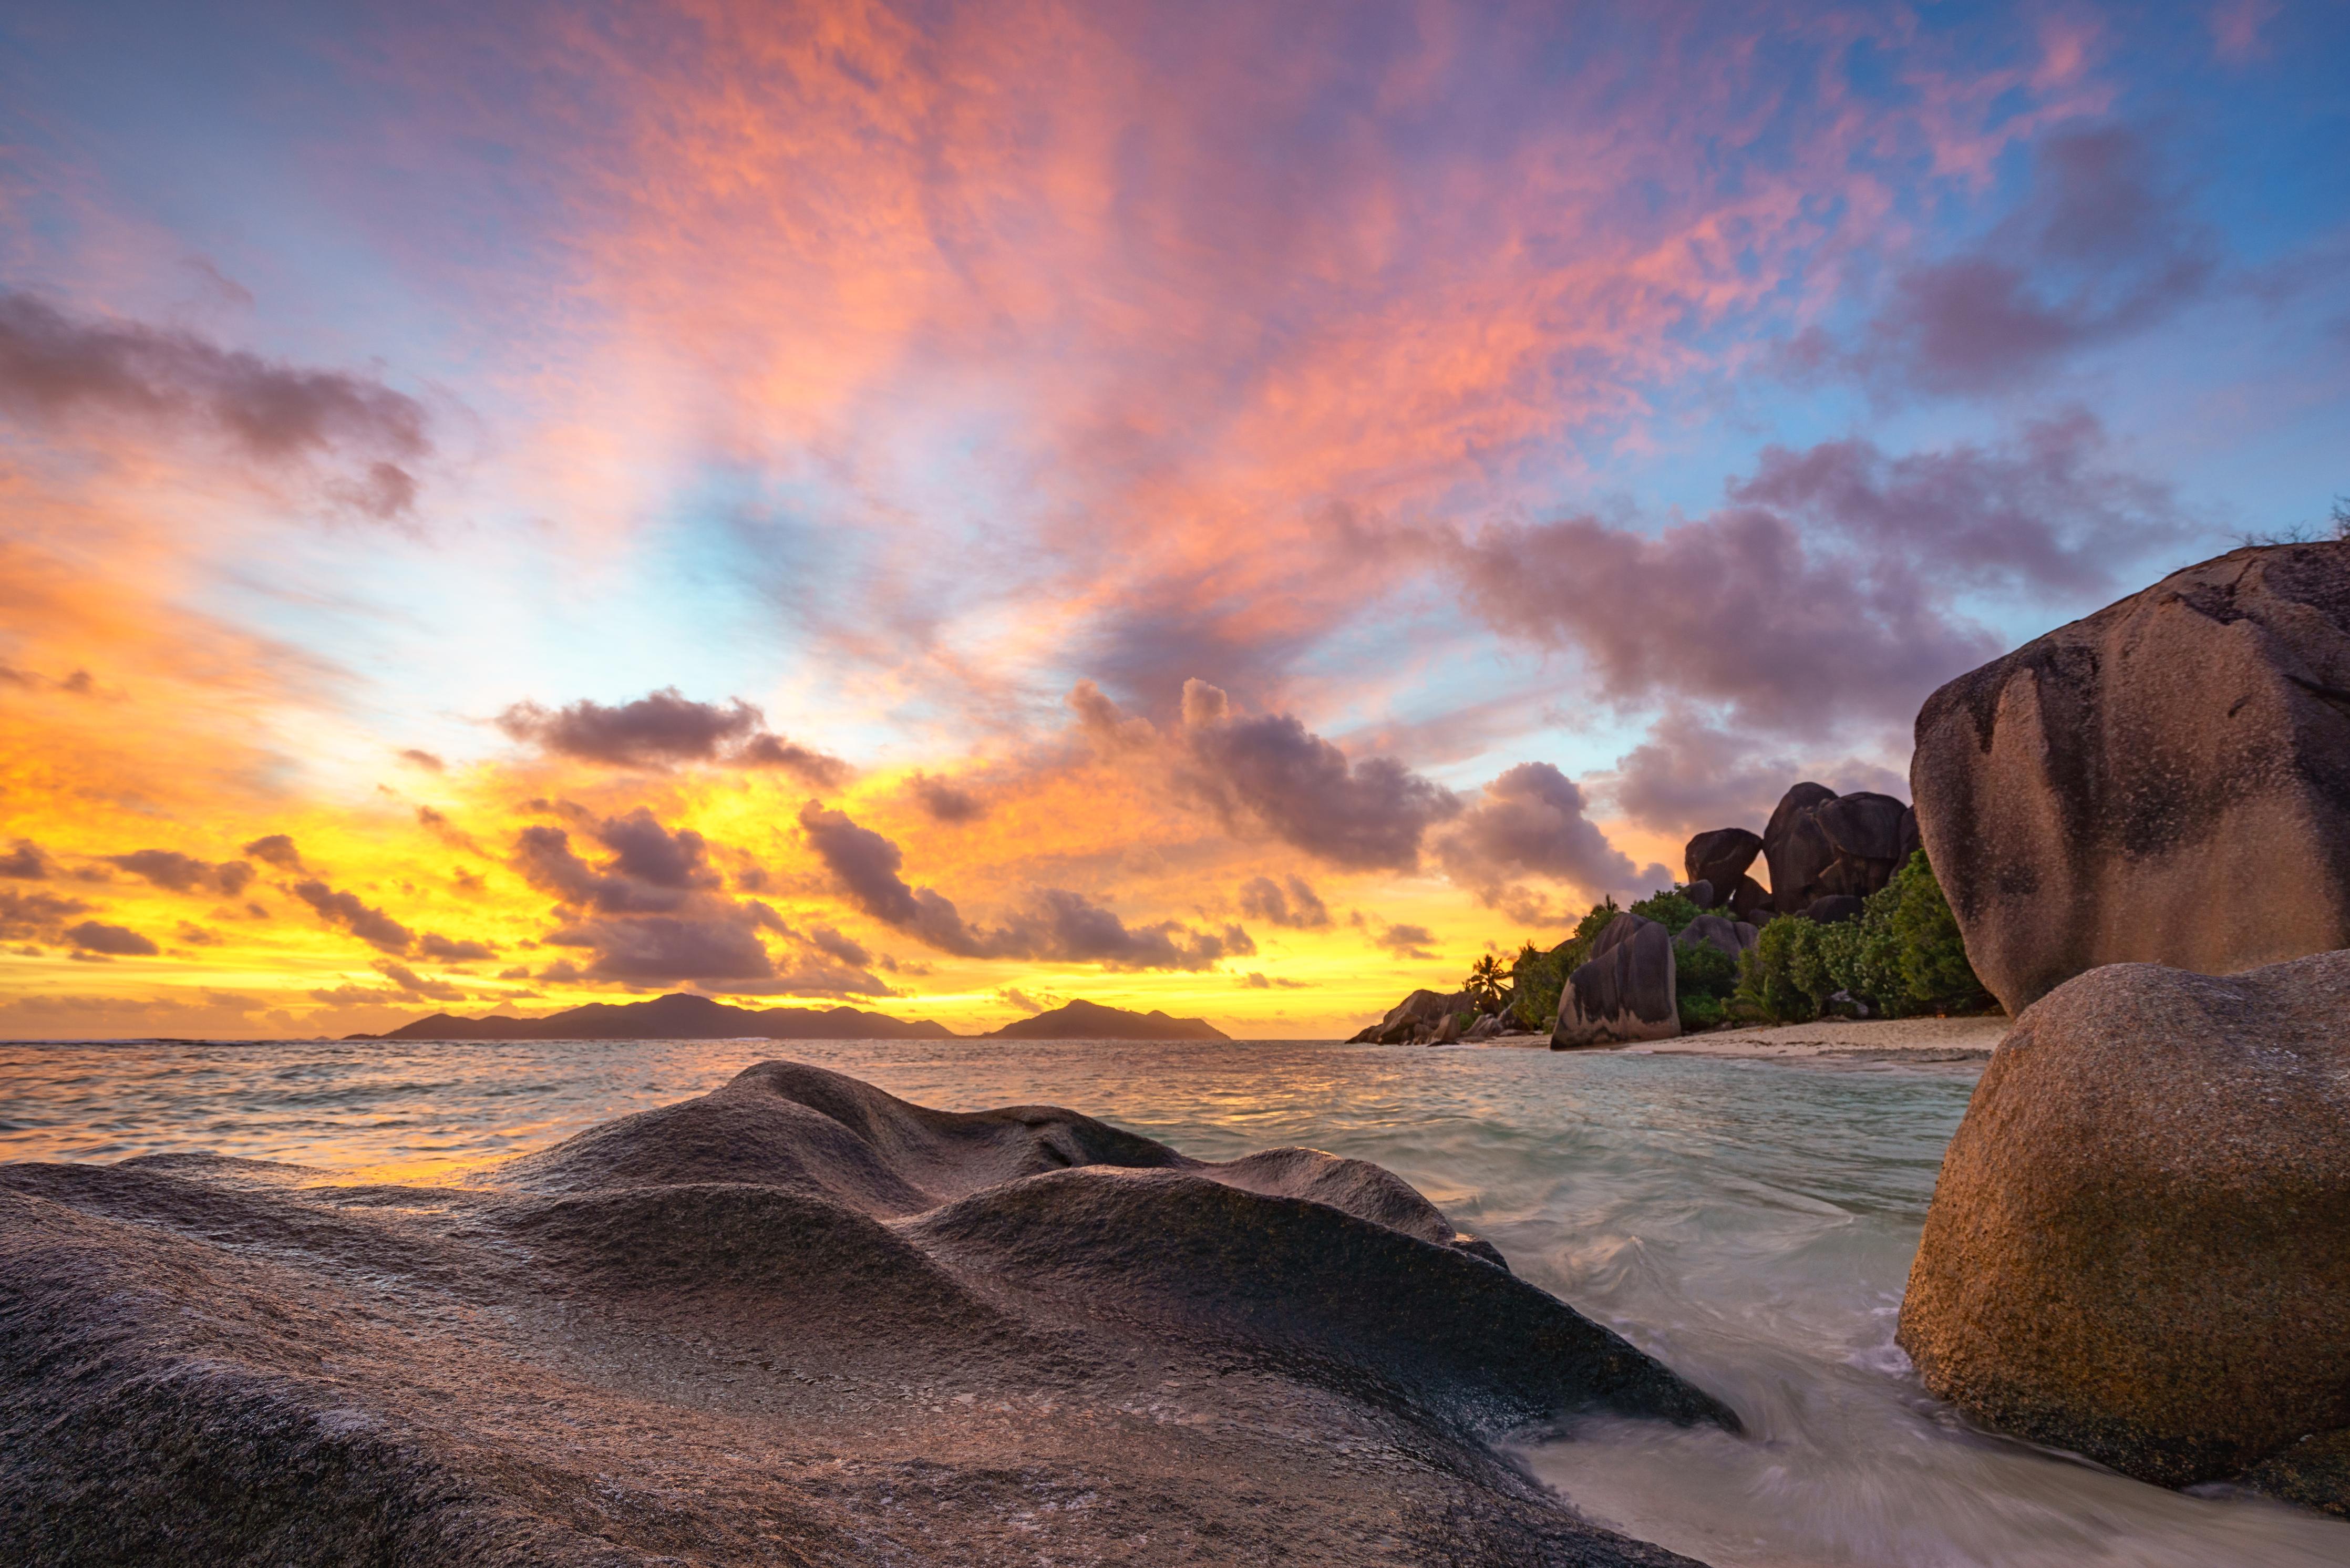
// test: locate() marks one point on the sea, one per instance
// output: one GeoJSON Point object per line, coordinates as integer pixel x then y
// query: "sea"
{"type": "Point", "coordinates": [1750, 1222]}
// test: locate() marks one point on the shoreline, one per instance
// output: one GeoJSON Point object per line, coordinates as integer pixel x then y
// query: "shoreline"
{"type": "Point", "coordinates": [1916, 1040]}
{"type": "Point", "coordinates": [1913, 1040]}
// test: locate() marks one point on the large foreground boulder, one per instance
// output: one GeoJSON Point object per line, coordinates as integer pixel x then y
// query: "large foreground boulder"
{"type": "Point", "coordinates": [1625, 992]}
{"type": "Point", "coordinates": [793, 1320]}
{"type": "Point", "coordinates": [2139, 1246]}
{"type": "Point", "coordinates": [2167, 780]}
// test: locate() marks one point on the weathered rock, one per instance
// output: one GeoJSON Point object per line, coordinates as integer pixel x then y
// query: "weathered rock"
{"type": "Point", "coordinates": [1821, 844]}
{"type": "Point", "coordinates": [1794, 848]}
{"type": "Point", "coordinates": [1448, 1030]}
{"type": "Point", "coordinates": [1625, 992]}
{"type": "Point", "coordinates": [792, 1321]}
{"type": "Point", "coordinates": [1910, 842]}
{"type": "Point", "coordinates": [1416, 1017]}
{"type": "Point", "coordinates": [1700, 893]}
{"type": "Point", "coordinates": [2139, 1246]}
{"type": "Point", "coordinates": [1619, 929]}
{"type": "Point", "coordinates": [1485, 1028]}
{"type": "Point", "coordinates": [1731, 936]}
{"type": "Point", "coordinates": [1721, 857]}
{"type": "Point", "coordinates": [2166, 781]}
{"type": "Point", "coordinates": [1833, 907]}
{"type": "Point", "coordinates": [1748, 899]}
{"type": "Point", "coordinates": [1864, 831]}
{"type": "Point", "coordinates": [2314, 1472]}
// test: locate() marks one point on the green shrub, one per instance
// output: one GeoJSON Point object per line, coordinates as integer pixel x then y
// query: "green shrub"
{"type": "Point", "coordinates": [1901, 956]}
{"type": "Point", "coordinates": [1704, 980]}
{"type": "Point", "coordinates": [1668, 909]}
{"type": "Point", "coordinates": [1933, 960]}
{"type": "Point", "coordinates": [1772, 973]}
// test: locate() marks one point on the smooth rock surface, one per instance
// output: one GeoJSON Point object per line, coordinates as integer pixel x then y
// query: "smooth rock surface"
{"type": "Point", "coordinates": [1864, 830]}
{"type": "Point", "coordinates": [1719, 856]}
{"type": "Point", "coordinates": [1821, 845]}
{"type": "Point", "coordinates": [2167, 780]}
{"type": "Point", "coordinates": [1416, 1017]}
{"type": "Point", "coordinates": [1731, 936]}
{"type": "Point", "coordinates": [1748, 899]}
{"type": "Point", "coordinates": [1794, 848]}
{"type": "Point", "coordinates": [1625, 992]}
{"type": "Point", "coordinates": [795, 1321]}
{"type": "Point", "coordinates": [2139, 1245]}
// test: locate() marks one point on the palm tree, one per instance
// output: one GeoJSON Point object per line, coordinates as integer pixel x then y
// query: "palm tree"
{"type": "Point", "coordinates": [1488, 981]}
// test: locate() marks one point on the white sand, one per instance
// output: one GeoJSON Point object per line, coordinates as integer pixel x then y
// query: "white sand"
{"type": "Point", "coordinates": [1844, 1039]}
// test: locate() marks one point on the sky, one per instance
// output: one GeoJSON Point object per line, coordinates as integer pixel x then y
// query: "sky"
{"type": "Point", "coordinates": [943, 508]}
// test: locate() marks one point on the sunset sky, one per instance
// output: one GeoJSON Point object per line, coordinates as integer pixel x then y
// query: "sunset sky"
{"type": "Point", "coordinates": [1235, 508]}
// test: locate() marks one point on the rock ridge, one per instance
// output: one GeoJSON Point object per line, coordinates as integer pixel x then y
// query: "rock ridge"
{"type": "Point", "coordinates": [796, 1319]}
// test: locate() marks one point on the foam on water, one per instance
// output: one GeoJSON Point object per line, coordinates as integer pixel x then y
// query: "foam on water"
{"type": "Point", "coordinates": [1752, 1223]}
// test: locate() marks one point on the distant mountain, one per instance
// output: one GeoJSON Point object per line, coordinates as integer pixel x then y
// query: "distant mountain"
{"type": "Point", "coordinates": [678, 1016]}
{"type": "Point", "coordinates": [1092, 1021]}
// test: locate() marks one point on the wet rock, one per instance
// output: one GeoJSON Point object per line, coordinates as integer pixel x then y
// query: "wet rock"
{"type": "Point", "coordinates": [1720, 857]}
{"type": "Point", "coordinates": [1625, 992]}
{"type": "Point", "coordinates": [795, 1320]}
{"type": "Point", "coordinates": [2167, 780]}
{"type": "Point", "coordinates": [2314, 1472]}
{"type": "Point", "coordinates": [2139, 1246]}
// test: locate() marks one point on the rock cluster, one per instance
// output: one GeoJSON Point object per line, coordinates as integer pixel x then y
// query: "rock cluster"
{"type": "Point", "coordinates": [1418, 1019]}
{"type": "Point", "coordinates": [2139, 1245]}
{"type": "Point", "coordinates": [1821, 844]}
{"type": "Point", "coordinates": [793, 1320]}
{"type": "Point", "coordinates": [1826, 852]}
{"type": "Point", "coordinates": [2167, 780]}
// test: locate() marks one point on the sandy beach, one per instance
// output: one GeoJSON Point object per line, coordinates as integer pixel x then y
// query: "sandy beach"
{"type": "Point", "coordinates": [1845, 1040]}
{"type": "Point", "coordinates": [1920, 1040]}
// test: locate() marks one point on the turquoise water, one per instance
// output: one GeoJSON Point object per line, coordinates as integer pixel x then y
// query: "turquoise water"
{"type": "Point", "coordinates": [1750, 1222]}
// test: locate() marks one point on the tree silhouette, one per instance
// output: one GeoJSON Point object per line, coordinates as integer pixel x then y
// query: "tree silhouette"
{"type": "Point", "coordinates": [1488, 981]}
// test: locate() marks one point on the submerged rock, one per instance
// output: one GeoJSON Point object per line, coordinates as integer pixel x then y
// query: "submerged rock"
{"type": "Point", "coordinates": [793, 1320]}
{"type": "Point", "coordinates": [2139, 1246]}
{"type": "Point", "coordinates": [2167, 780]}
